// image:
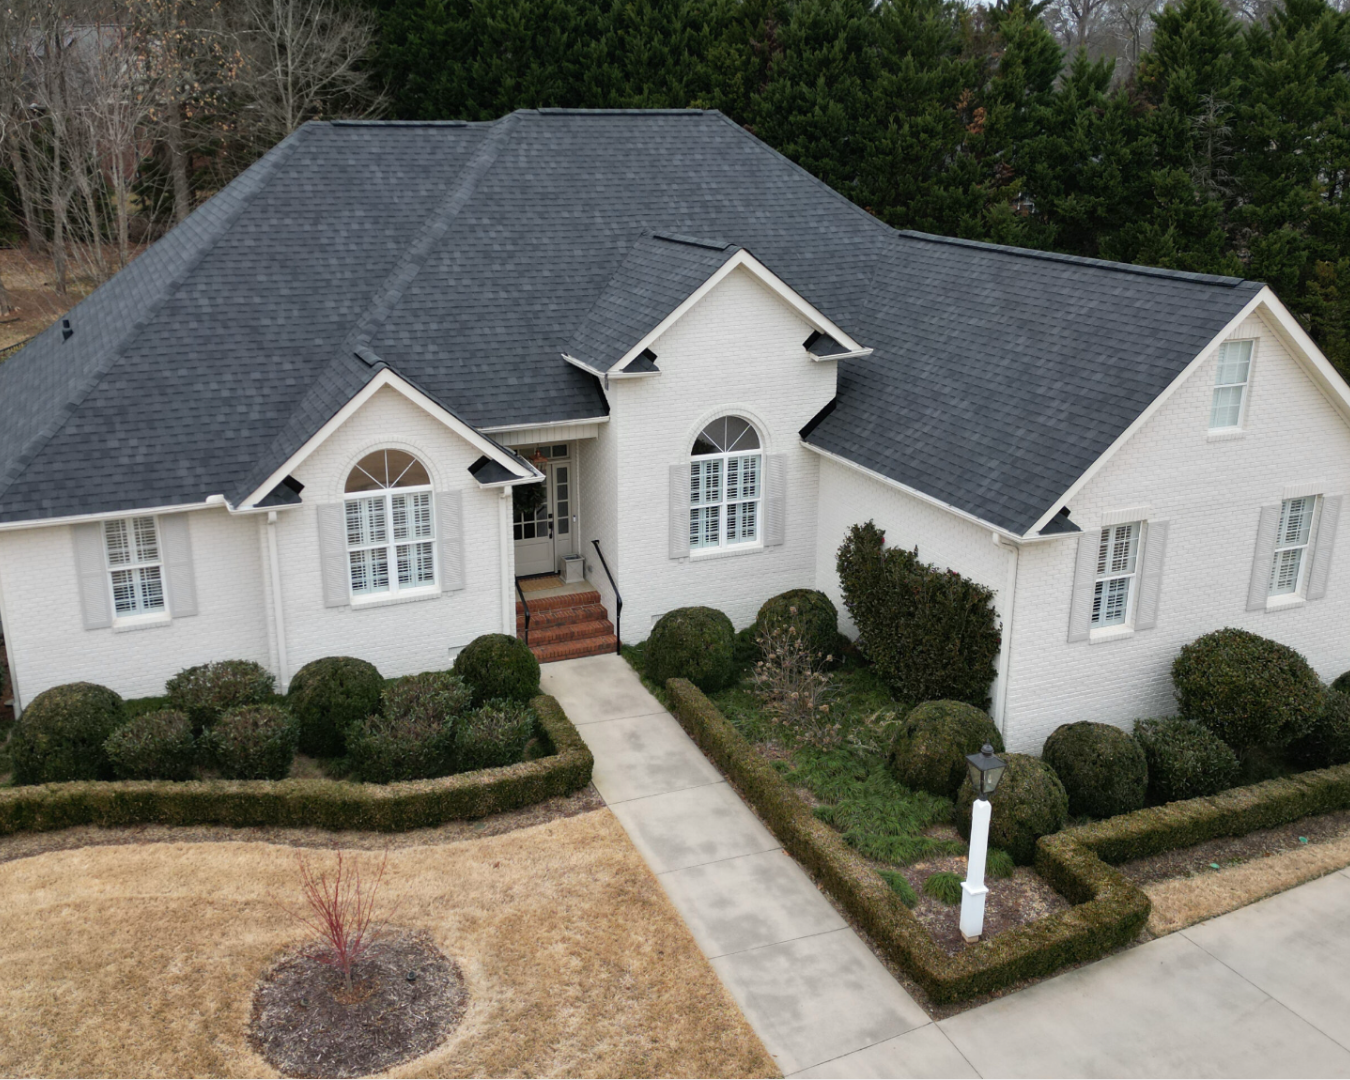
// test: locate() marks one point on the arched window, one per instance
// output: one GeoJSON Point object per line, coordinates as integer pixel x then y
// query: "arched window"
{"type": "Point", "coordinates": [391, 527]}
{"type": "Point", "coordinates": [726, 472]}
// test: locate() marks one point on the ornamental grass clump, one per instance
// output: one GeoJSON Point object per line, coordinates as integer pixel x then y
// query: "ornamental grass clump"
{"type": "Point", "coordinates": [327, 696]}
{"type": "Point", "coordinates": [932, 634]}
{"type": "Point", "coordinates": [943, 886]}
{"type": "Point", "coordinates": [498, 666]}
{"type": "Point", "coordinates": [930, 746]}
{"type": "Point", "coordinates": [207, 691]}
{"type": "Point", "coordinates": [341, 910]}
{"type": "Point", "coordinates": [1185, 760]}
{"type": "Point", "coordinates": [256, 742]}
{"type": "Point", "coordinates": [1029, 803]}
{"type": "Point", "coordinates": [413, 736]}
{"type": "Point", "coordinates": [795, 689]}
{"type": "Point", "coordinates": [1103, 770]}
{"type": "Point", "coordinates": [153, 746]}
{"type": "Point", "coordinates": [495, 735]}
{"type": "Point", "coordinates": [61, 734]}
{"type": "Point", "coordinates": [1246, 689]}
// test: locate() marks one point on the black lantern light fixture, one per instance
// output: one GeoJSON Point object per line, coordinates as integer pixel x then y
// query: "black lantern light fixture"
{"type": "Point", "coordinates": [986, 770]}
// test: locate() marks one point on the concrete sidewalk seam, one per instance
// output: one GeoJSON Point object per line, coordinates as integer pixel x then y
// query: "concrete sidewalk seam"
{"type": "Point", "coordinates": [660, 794]}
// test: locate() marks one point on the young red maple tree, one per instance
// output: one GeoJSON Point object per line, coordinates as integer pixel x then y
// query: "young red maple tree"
{"type": "Point", "coordinates": [340, 910]}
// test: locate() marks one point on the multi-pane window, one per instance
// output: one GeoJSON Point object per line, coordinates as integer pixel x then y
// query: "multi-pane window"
{"type": "Point", "coordinates": [134, 565]}
{"type": "Point", "coordinates": [725, 485]}
{"type": "Point", "coordinates": [1230, 384]}
{"type": "Point", "coordinates": [1117, 560]}
{"type": "Point", "coordinates": [391, 532]}
{"type": "Point", "coordinates": [1291, 545]}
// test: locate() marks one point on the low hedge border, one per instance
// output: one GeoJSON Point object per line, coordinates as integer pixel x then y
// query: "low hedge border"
{"type": "Point", "coordinates": [1108, 911]}
{"type": "Point", "coordinates": [326, 804]}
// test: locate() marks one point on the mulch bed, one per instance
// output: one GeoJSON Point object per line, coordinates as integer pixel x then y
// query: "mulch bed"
{"type": "Point", "coordinates": [1230, 850]}
{"type": "Point", "coordinates": [406, 997]}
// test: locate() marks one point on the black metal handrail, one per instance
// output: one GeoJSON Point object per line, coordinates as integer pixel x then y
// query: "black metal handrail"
{"type": "Point", "coordinates": [618, 600]}
{"type": "Point", "coordinates": [526, 605]}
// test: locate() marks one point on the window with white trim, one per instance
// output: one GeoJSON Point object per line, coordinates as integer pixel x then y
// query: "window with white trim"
{"type": "Point", "coordinates": [1230, 385]}
{"type": "Point", "coordinates": [135, 566]}
{"type": "Point", "coordinates": [726, 482]}
{"type": "Point", "coordinates": [1117, 563]}
{"type": "Point", "coordinates": [1289, 569]}
{"type": "Point", "coordinates": [391, 526]}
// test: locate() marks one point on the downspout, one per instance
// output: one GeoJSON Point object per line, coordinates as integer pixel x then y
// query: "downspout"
{"type": "Point", "coordinates": [283, 675]}
{"type": "Point", "coordinates": [6, 626]}
{"type": "Point", "coordinates": [507, 558]}
{"type": "Point", "coordinates": [1005, 653]}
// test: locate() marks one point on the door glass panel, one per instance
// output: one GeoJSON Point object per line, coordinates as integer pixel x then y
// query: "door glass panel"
{"type": "Point", "coordinates": [562, 500]}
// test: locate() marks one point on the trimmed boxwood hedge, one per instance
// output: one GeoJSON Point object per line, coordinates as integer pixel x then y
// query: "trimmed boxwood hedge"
{"type": "Point", "coordinates": [325, 804]}
{"type": "Point", "coordinates": [694, 643]}
{"type": "Point", "coordinates": [327, 696]}
{"type": "Point", "coordinates": [498, 666]}
{"type": "Point", "coordinates": [60, 735]}
{"type": "Point", "coordinates": [1030, 802]}
{"type": "Point", "coordinates": [811, 612]}
{"type": "Point", "coordinates": [930, 746]}
{"type": "Point", "coordinates": [1109, 911]}
{"type": "Point", "coordinates": [1102, 768]}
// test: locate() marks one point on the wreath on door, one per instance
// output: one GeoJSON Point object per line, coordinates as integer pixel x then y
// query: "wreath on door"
{"type": "Point", "coordinates": [529, 498]}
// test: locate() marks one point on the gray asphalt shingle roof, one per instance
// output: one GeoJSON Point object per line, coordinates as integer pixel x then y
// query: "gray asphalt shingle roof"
{"type": "Point", "coordinates": [470, 257]}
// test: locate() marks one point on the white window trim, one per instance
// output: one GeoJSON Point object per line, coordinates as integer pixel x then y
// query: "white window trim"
{"type": "Point", "coordinates": [1274, 600]}
{"type": "Point", "coordinates": [723, 547]}
{"type": "Point", "coordinates": [394, 591]}
{"type": "Point", "coordinates": [1125, 628]}
{"type": "Point", "coordinates": [1232, 431]}
{"type": "Point", "coordinates": [139, 618]}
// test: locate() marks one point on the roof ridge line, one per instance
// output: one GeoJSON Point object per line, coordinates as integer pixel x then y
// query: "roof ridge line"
{"type": "Point", "coordinates": [1079, 260]}
{"type": "Point", "coordinates": [266, 168]}
{"type": "Point", "coordinates": [424, 241]}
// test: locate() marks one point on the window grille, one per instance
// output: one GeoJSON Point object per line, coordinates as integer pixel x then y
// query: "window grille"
{"type": "Point", "coordinates": [1291, 544]}
{"type": "Point", "coordinates": [391, 535]}
{"type": "Point", "coordinates": [725, 485]}
{"type": "Point", "coordinates": [135, 567]}
{"type": "Point", "coordinates": [1230, 384]}
{"type": "Point", "coordinates": [1117, 559]}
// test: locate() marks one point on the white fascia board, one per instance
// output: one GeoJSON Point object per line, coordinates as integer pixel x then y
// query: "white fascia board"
{"type": "Point", "coordinates": [1305, 351]}
{"type": "Point", "coordinates": [841, 356]}
{"type": "Point", "coordinates": [386, 377]}
{"type": "Point", "coordinates": [113, 515]}
{"type": "Point", "coordinates": [1157, 403]}
{"type": "Point", "coordinates": [998, 530]}
{"type": "Point", "coordinates": [508, 429]}
{"type": "Point", "coordinates": [817, 319]}
{"type": "Point", "coordinates": [583, 365]}
{"type": "Point", "coordinates": [519, 481]}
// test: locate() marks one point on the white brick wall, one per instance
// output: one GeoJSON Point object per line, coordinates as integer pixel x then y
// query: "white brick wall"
{"type": "Point", "coordinates": [44, 628]}
{"type": "Point", "coordinates": [1212, 494]}
{"type": "Point", "coordinates": [739, 350]}
{"type": "Point", "coordinates": [398, 638]}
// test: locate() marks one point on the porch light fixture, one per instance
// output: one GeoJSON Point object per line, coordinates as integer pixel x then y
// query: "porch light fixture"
{"type": "Point", "coordinates": [539, 460]}
{"type": "Point", "coordinates": [986, 770]}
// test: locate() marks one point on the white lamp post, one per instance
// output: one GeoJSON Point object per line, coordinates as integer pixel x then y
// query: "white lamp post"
{"type": "Point", "coordinates": [985, 772]}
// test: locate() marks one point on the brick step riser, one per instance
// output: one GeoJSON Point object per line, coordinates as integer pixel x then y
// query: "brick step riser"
{"type": "Point", "coordinates": [571, 632]}
{"type": "Point", "coordinates": [574, 650]}
{"type": "Point", "coordinates": [566, 600]}
{"type": "Point", "coordinates": [561, 617]}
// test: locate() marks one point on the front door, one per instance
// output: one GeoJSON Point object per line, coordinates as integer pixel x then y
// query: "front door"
{"type": "Point", "coordinates": [542, 514]}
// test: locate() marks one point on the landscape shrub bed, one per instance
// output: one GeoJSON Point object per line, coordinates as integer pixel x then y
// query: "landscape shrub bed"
{"type": "Point", "coordinates": [327, 804]}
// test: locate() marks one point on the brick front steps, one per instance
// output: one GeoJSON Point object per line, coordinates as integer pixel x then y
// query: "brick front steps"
{"type": "Point", "coordinates": [567, 627]}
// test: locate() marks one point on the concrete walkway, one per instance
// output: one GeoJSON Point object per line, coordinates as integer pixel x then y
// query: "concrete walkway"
{"type": "Point", "coordinates": [1264, 991]}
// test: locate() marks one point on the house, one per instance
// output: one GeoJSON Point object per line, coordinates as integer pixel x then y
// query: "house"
{"type": "Point", "coordinates": [395, 368]}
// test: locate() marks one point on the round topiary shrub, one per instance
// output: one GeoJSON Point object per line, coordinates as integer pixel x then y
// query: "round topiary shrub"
{"type": "Point", "coordinates": [694, 643]}
{"type": "Point", "coordinates": [1102, 768]}
{"type": "Point", "coordinates": [1184, 759]}
{"type": "Point", "coordinates": [812, 613]}
{"type": "Point", "coordinates": [1342, 682]}
{"type": "Point", "coordinates": [930, 747]}
{"type": "Point", "coordinates": [1328, 743]}
{"type": "Point", "coordinates": [1029, 803]}
{"type": "Point", "coordinates": [208, 690]}
{"type": "Point", "coordinates": [498, 666]}
{"type": "Point", "coordinates": [153, 746]}
{"type": "Point", "coordinates": [327, 696]}
{"type": "Point", "coordinates": [61, 733]}
{"type": "Point", "coordinates": [1246, 689]}
{"type": "Point", "coordinates": [413, 736]}
{"type": "Point", "coordinates": [255, 742]}
{"type": "Point", "coordinates": [494, 735]}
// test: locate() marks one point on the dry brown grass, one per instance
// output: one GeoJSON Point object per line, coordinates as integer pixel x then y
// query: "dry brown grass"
{"type": "Point", "coordinates": [1181, 902]}
{"type": "Point", "coordinates": [141, 960]}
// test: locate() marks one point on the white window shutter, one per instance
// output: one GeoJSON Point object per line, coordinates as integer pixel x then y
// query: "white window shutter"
{"type": "Point", "coordinates": [1258, 590]}
{"type": "Point", "coordinates": [775, 499]}
{"type": "Point", "coordinates": [93, 575]}
{"type": "Point", "coordinates": [1325, 541]}
{"type": "Point", "coordinates": [176, 550]}
{"type": "Point", "coordinates": [1084, 583]}
{"type": "Point", "coordinates": [1150, 576]}
{"type": "Point", "coordinates": [450, 519]}
{"type": "Point", "coordinates": [335, 565]}
{"type": "Point", "coordinates": [679, 511]}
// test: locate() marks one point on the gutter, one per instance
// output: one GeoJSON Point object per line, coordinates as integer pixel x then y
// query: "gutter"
{"type": "Point", "coordinates": [277, 608]}
{"type": "Point", "coordinates": [1005, 652]}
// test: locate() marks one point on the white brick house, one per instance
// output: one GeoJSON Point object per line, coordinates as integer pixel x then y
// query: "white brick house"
{"type": "Point", "coordinates": [394, 369]}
